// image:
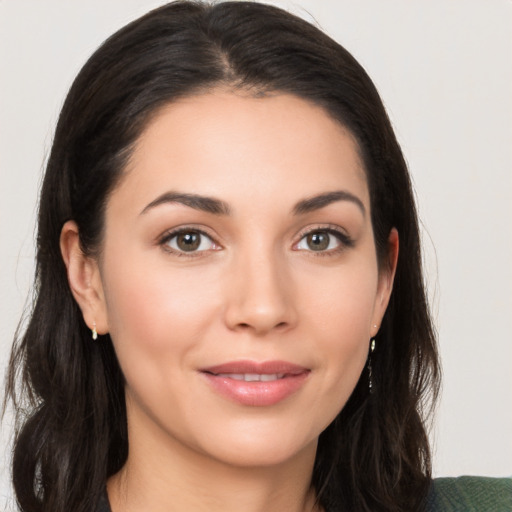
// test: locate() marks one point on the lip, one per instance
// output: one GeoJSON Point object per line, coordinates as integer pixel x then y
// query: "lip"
{"type": "Point", "coordinates": [257, 393]}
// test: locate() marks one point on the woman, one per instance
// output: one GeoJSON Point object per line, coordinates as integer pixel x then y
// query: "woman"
{"type": "Point", "coordinates": [230, 308]}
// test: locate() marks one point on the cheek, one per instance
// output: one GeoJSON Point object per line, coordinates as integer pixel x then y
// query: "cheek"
{"type": "Point", "coordinates": [156, 312]}
{"type": "Point", "coordinates": [340, 318]}
{"type": "Point", "coordinates": [342, 302]}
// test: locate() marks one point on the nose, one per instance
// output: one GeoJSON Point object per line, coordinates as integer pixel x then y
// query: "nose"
{"type": "Point", "coordinates": [260, 298]}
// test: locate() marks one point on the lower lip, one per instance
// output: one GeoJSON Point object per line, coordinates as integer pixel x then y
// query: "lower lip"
{"type": "Point", "coordinates": [257, 394]}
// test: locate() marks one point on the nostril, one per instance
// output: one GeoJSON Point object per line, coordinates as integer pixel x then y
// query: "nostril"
{"type": "Point", "coordinates": [244, 325]}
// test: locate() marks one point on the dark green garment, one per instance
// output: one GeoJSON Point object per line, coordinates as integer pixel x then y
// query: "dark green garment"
{"type": "Point", "coordinates": [470, 494]}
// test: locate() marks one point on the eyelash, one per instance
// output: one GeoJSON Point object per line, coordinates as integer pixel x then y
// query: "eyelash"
{"type": "Point", "coordinates": [344, 240]}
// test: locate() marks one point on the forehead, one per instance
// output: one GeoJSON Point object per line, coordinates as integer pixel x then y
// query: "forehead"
{"type": "Point", "coordinates": [228, 144]}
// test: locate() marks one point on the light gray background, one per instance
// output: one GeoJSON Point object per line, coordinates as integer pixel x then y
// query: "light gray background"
{"type": "Point", "coordinates": [444, 70]}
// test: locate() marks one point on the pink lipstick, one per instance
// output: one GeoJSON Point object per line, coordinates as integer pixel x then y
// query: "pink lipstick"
{"type": "Point", "coordinates": [256, 383]}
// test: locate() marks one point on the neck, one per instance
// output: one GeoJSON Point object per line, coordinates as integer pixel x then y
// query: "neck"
{"type": "Point", "coordinates": [161, 474]}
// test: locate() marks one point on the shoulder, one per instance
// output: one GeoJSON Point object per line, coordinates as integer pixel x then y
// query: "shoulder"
{"type": "Point", "coordinates": [470, 494]}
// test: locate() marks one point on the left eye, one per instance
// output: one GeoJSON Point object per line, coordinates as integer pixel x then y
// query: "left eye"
{"type": "Point", "coordinates": [319, 241]}
{"type": "Point", "coordinates": [189, 241]}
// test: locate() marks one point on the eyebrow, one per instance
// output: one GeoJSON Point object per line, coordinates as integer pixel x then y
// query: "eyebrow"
{"type": "Point", "coordinates": [219, 207]}
{"type": "Point", "coordinates": [203, 203]}
{"type": "Point", "coordinates": [322, 200]}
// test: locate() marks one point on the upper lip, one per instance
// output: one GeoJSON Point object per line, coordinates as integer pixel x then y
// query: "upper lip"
{"type": "Point", "coordinates": [256, 367]}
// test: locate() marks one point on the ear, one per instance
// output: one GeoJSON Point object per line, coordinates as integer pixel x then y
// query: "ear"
{"type": "Point", "coordinates": [386, 279]}
{"type": "Point", "coordinates": [84, 278]}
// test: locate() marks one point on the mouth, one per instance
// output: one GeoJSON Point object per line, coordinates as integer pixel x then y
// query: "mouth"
{"type": "Point", "coordinates": [256, 383]}
{"type": "Point", "coordinates": [252, 377]}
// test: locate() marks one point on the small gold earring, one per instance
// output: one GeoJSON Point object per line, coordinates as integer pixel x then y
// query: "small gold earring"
{"type": "Point", "coordinates": [94, 332]}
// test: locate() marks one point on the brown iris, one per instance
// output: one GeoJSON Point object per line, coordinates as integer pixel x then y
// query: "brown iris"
{"type": "Point", "coordinates": [188, 241]}
{"type": "Point", "coordinates": [318, 241]}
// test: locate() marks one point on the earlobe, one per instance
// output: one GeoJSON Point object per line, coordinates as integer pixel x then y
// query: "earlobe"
{"type": "Point", "coordinates": [84, 279]}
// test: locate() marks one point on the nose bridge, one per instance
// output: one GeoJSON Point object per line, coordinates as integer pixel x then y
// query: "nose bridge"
{"type": "Point", "coordinates": [261, 297]}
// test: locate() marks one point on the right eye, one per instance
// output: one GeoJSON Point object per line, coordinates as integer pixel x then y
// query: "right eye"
{"type": "Point", "coordinates": [320, 240]}
{"type": "Point", "coordinates": [188, 241]}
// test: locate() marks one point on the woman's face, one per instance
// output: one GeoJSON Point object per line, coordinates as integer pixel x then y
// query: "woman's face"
{"type": "Point", "coordinates": [239, 279]}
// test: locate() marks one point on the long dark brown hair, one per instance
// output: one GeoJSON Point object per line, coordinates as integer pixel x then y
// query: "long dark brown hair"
{"type": "Point", "coordinates": [69, 391]}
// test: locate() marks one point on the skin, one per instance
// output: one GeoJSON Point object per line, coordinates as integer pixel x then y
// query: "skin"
{"type": "Point", "coordinates": [255, 290]}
